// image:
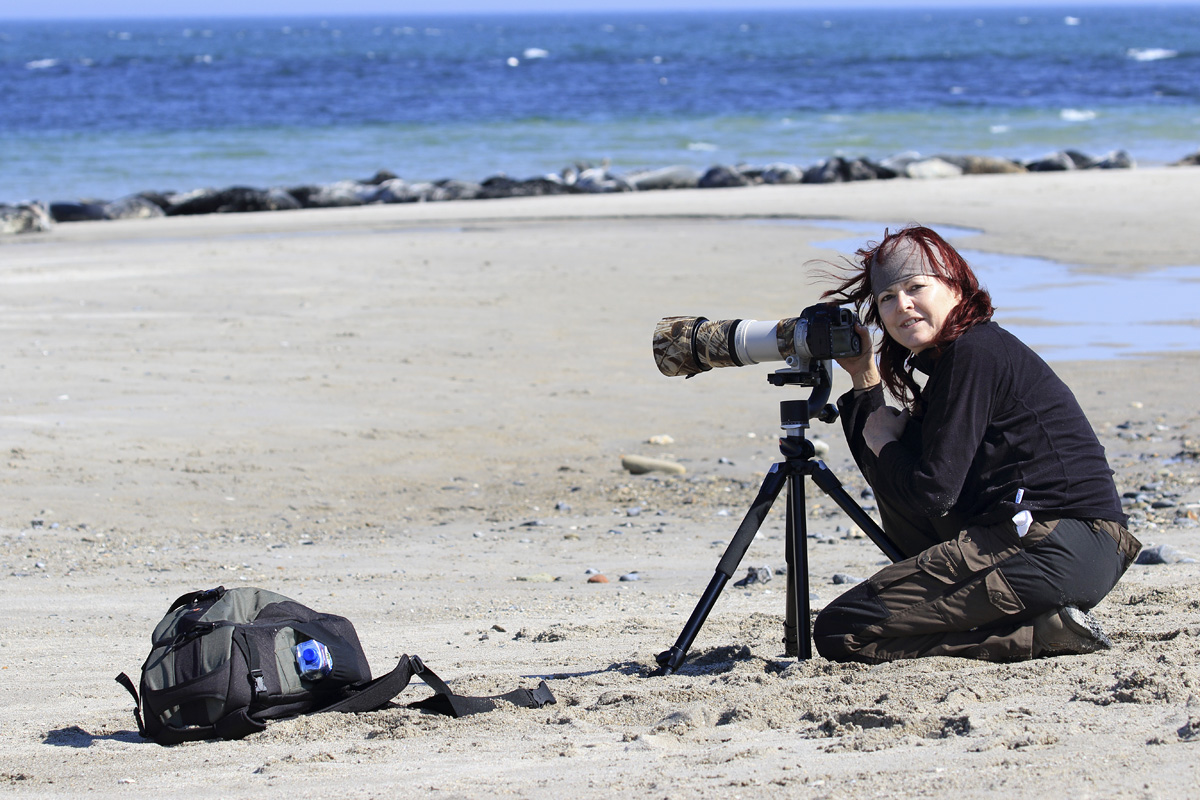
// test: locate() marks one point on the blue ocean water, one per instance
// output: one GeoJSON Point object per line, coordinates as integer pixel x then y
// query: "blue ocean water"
{"type": "Point", "coordinates": [102, 109]}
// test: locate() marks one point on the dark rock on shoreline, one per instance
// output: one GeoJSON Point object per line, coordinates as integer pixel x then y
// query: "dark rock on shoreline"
{"type": "Point", "coordinates": [24, 218]}
{"type": "Point", "coordinates": [386, 187]}
{"type": "Point", "coordinates": [133, 207]}
{"type": "Point", "coordinates": [677, 177]}
{"type": "Point", "coordinates": [984, 165]}
{"type": "Point", "coordinates": [76, 212]}
{"type": "Point", "coordinates": [1073, 159]}
{"type": "Point", "coordinates": [504, 186]}
{"type": "Point", "coordinates": [235, 199]}
{"type": "Point", "coordinates": [841, 170]}
{"type": "Point", "coordinates": [723, 177]}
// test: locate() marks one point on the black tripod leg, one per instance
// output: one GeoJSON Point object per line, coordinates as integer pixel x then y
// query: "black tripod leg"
{"type": "Point", "coordinates": [670, 660]}
{"type": "Point", "coordinates": [828, 482]}
{"type": "Point", "coordinates": [797, 626]}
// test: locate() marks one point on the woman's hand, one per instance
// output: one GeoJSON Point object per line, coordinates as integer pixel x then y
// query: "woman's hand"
{"type": "Point", "coordinates": [862, 367]}
{"type": "Point", "coordinates": [886, 424]}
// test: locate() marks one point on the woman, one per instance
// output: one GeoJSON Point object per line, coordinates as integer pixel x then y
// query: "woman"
{"type": "Point", "coordinates": [991, 435]}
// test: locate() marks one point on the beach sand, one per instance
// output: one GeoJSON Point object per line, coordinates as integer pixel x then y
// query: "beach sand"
{"type": "Point", "coordinates": [414, 416]}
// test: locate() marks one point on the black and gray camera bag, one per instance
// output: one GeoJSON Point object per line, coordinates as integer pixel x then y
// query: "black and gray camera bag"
{"type": "Point", "coordinates": [223, 662]}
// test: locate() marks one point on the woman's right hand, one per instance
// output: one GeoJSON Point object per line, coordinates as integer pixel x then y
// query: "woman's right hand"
{"type": "Point", "coordinates": [861, 367]}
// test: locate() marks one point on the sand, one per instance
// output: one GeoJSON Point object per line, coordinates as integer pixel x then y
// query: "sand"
{"type": "Point", "coordinates": [414, 416]}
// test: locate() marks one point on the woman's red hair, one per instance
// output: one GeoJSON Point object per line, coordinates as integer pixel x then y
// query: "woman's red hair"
{"type": "Point", "coordinates": [950, 267]}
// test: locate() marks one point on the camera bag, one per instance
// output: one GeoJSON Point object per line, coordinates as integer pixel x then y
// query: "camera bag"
{"type": "Point", "coordinates": [222, 664]}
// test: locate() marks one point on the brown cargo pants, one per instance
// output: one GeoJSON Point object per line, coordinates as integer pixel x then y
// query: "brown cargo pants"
{"type": "Point", "coordinates": [976, 596]}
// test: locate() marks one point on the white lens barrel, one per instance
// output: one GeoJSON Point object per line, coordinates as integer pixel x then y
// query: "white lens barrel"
{"type": "Point", "coordinates": [756, 342]}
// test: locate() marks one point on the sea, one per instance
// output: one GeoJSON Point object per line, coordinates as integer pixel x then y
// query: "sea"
{"type": "Point", "coordinates": [101, 109]}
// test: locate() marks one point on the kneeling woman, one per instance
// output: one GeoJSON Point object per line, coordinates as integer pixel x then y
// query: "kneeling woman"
{"type": "Point", "coordinates": [990, 479]}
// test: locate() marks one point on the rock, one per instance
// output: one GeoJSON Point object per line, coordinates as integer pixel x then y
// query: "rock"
{"type": "Point", "coordinates": [197, 201]}
{"type": "Point", "coordinates": [1055, 162]}
{"type": "Point", "coordinates": [839, 170]}
{"type": "Point", "coordinates": [236, 199]}
{"type": "Point", "coordinates": [446, 190]}
{"type": "Point", "coordinates": [25, 218]}
{"type": "Point", "coordinates": [660, 439]}
{"type": "Point", "coordinates": [395, 190]}
{"type": "Point", "coordinates": [755, 575]}
{"type": "Point", "coordinates": [76, 212]}
{"type": "Point", "coordinates": [1117, 159]}
{"type": "Point", "coordinates": [676, 177]}
{"type": "Point", "coordinates": [381, 177]}
{"type": "Point", "coordinates": [932, 168]}
{"type": "Point", "coordinates": [631, 576]}
{"type": "Point", "coordinates": [340, 195]}
{"type": "Point", "coordinates": [1188, 161]}
{"type": "Point", "coordinates": [499, 186]}
{"type": "Point", "coordinates": [782, 173]}
{"type": "Point", "coordinates": [540, 577]}
{"type": "Point", "coordinates": [598, 579]}
{"type": "Point", "coordinates": [640, 465]}
{"type": "Point", "coordinates": [899, 162]}
{"type": "Point", "coordinates": [600, 181]}
{"type": "Point", "coordinates": [722, 177]}
{"type": "Point", "coordinates": [829, 171]}
{"type": "Point", "coordinates": [984, 165]}
{"type": "Point", "coordinates": [132, 207]}
{"type": "Point", "coordinates": [1159, 554]}
{"type": "Point", "coordinates": [844, 578]}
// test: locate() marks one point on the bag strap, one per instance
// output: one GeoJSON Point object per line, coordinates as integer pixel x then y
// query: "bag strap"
{"type": "Point", "coordinates": [204, 594]}
{"type": "Point", "coordinates": [125, 681]}
{"type": "Point", "coordinates": [445, 701]}
{"type": "Point", "coordinates": [379, 692]}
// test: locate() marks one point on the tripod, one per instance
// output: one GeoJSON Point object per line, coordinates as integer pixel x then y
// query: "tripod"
{"type": "Point", "coordinates": [799, 460]}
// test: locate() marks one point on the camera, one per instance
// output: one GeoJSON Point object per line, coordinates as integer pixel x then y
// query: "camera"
{"type": "Point", "coordinates": [690, 345]}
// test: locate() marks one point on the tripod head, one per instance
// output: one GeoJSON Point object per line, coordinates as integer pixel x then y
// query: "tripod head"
{"type": "Point", "coordinates": [796, 414]}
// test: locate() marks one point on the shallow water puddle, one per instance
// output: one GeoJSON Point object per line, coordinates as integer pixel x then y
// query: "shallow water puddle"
{"type": "Point", "coordinates": [1065, 313]}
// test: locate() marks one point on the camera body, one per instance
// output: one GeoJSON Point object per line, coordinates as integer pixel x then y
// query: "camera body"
{"type": "Point", "coordinates": [690, 345]}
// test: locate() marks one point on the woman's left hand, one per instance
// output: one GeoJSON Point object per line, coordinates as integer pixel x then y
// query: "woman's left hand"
{"type": "Point", "coordinates": [886, 424]}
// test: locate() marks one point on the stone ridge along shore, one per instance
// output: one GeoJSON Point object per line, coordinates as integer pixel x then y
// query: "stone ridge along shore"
{"type": "Point", "coordinates": [385, 187]}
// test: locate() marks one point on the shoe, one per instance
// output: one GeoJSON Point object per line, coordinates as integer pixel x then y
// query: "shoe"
{"type": "Point", "coordinates": [1067, 631]}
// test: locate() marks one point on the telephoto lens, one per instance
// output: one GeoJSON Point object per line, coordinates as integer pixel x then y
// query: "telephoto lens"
{"type": "Point", "coordinates": [690, 345]}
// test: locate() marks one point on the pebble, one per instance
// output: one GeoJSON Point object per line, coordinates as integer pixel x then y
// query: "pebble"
{"type": "Point", "coordinates": [640, 465]}
{"type": "Point", "coordinates": [561, 506]}
{"type": "Point", "coordinates": [844, 578]}
{"type": "Point", "coordinates": [635, 511]}
{"type": "Point", "coordinates": [541, 577]}
{"type": "Point", "coordinates": [661, 439]}
{"type": "Point", "coordinates": [755, 575]}
{"type": "Point", "coordinates": [598, 579]}
{"type": "Point", "coordinates": [1158, 554]}
{"type": "Point", "coordinates": [631, 576]}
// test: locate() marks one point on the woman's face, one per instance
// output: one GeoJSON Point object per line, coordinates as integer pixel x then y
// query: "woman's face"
{"type": "Point", "coordinates": [914, 309]}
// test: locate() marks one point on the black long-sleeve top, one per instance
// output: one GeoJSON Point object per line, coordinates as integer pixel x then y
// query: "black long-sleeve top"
{"type": "Point", "coordinates": [995, 419]}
